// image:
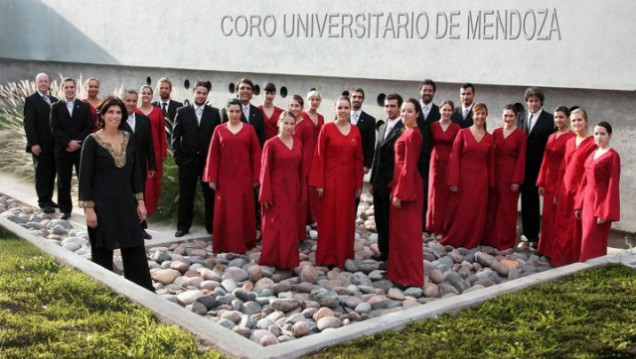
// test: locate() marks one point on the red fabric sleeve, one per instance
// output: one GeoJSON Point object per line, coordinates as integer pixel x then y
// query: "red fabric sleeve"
{"type": "Point", "coordinates": [453, 162]}
{"type": "Point", "coordinates": [609, 208]}
{"type": "Point", "coordinates": [405, 188]}
{"type": "Point", "coordinates": [520, 167]}
{"type": "Point", "coordinates": [255, 152]}
{"type": "Point", "coordinates": [545, 164]}
{"type": "Point", "coordinates": [317, 173]}
{"type": "Point", "coordinates": [211, 171]}
{"type": "Point", "coordinates": [265, 194]}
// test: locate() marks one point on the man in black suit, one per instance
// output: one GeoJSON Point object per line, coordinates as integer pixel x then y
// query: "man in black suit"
{"type": "Point", "coordinates": [462, 115]}
{"type": "Point", "coordinates": [139, 127]}
{"type": "Point", "coordinates": [538, 125]}
{"type": "Point", "coordinates": [193, 129]}
{"type": "Point", "coordinates": [250, 113]}
{"type": "Point", "coordinates": [37, 126]}
{"type": "Point", "coordinates": [366, 125]}
{"type": "Point", "coordinates": [382, 171]}
{"type": "Point", "coordinates": [166, 104]}
{"type": "Point", "coordinates": [71, 122]}
{"type": "Point", "coordinates": [429, 113]}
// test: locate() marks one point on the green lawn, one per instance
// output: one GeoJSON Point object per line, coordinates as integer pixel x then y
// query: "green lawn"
{"type": "Point", "coordinates": [53, 311]}
{"type": "Point", "coordinates": [589, 315]}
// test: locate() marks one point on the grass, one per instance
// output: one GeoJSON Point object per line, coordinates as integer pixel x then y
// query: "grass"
{"type": "Point", "coordinates": [588, 315]}
{"type": "Point", "coordinates": [53, 311]}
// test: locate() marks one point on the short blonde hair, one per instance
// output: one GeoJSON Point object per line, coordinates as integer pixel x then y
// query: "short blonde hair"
{"type": "Point", "coordinates": [313, 93]}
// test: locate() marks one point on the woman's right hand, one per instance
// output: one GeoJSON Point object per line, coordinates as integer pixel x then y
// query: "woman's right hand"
{"type": "Point", "coordinates": [320, 191]}
{"type": "Point", "coordinates": [91, 218]}
{"type": "Point", "coordinates": [213, 186]}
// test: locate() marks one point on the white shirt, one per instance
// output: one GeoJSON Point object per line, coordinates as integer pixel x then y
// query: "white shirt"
{"type": "Point", "coordinates": [131, 122]}
{"type": "Point", "coordinates": [246, 112]}
{"type": "Point", "coordinates": [466, 110]}
{"type": "Point", "coordinates": [69, 105]}
{"type": "Point", "coordinates": [198, 111]}
{"type": "Point", "coordinates": [426, 108]}
{"type": "Point", "coordinates": [532, 119]}
{"type": "Point", "coordinates": [390, 125]}
{"type": "Point", "coordinates": [45, 97]}
{"type": "Point", "coordinates": [355, 116]}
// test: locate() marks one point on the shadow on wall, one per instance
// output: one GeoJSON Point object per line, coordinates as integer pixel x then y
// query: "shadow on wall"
{"type": "Point", "coordinates": [31, 30]}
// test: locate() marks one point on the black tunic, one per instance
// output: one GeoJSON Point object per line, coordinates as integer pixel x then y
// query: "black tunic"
{"type": "Point", "coordinates": [112, 184]}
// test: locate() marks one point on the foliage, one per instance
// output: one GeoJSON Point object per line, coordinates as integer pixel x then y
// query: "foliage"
{"type": "Point", "coordinates": [52, 311]}
{"type": "Point", "coordinates": [587, 315]}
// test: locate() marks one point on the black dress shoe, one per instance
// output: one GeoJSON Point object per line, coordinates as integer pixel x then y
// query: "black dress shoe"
{"type": "Point", "coordinates": [54, 205]}
{"type": "Point", "coordinates": [145, 234]}
{"type": "Point", "coordinates": [181, 232]}
{"type": "Point", "coordinates": [66, 215]}
{"type": "Point", "coordinates": [47, 209]}
{"type": "Point", "coordinates": [380, 257]}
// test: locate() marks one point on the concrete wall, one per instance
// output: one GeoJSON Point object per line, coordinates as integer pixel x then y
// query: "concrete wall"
{"type": "Point", "coordinates": [586, 62]}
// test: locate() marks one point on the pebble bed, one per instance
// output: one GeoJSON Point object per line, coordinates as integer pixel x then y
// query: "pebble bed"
{"type": "Point", "coordinates": [271, 306]}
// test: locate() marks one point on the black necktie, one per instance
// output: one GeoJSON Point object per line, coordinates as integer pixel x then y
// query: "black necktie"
{"type": "Point", "coordinates": [164, 109]}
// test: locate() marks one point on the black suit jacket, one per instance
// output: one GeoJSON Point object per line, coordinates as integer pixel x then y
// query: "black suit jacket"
{"type": "Point", "coordinates": [537, 139]}
{"type": "Point", "coordinates": [256, 120]}
{"type": "Point", "coordinates": [37, 122]}
{"type": "Point", "coordinates": [384, 159]}
{"type": "Point", "coordinates": [66, 127]}
{"type": "Point", "coordinates": [144, 146]}
{"type": "Point", "coordinates": [366, 125]}
{"type": "Point", "coordinates": [425, 128]}
{"type": "Point", "coordinates": [433, 114]}
{"type": "Point", "coordinates": [172, 108]}
{"type": "Point", "coordinates": [458, 117]}
{"type": "Point", "coordinates": [190, 141]}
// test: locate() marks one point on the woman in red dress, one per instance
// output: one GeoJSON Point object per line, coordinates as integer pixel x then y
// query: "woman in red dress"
{"type": "Point", "coordinates": [567, 233]}
{"type": "Point", "coordinates": [91, 86]}
{"type": "Point", "coordinates": [282, 191]}
{"type": "Point", "coordinates": [599, 201]}
{"type": "Point", "coordinates": [304, 132]}
{"type": "Point", "coordinates": [405, 265]}
{"type": "Point", "coordinates": [270, 112]}
{"type": "Point", "coordinates": [317, 120]}
{"type": "Point", "coordinates": [336, 174]}
{"type": "Point", "coordinates": [158, 128]}
{"type": "Point", "coordinates": [443, 133]}
{"type": "Point", "coordinates": [470, 174]}
{"type": "Point", "coordinates": [510, 162]}
{"type": "Point", "coordinates": [549, 177]}
{"type": "Point", "coordinates": [232, 169]}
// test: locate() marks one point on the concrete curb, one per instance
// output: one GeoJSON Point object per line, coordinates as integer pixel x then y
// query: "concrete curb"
{"type": "Point", "coordinates": [233, 345]}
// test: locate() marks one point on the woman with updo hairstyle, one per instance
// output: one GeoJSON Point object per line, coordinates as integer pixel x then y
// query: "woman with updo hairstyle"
{"type": "Point", "coordinates": [336, 176]}
{"type": "Point", "coordinates": [304, 132]}
{"type": "Point", "coordinates": [566, 247]}
{"type": "Point", "coordinates": [405, 264]}
{"type": "Point", "coordinates": [510, 165]}
{"type": "Point", "coordinates": [443, 133]}
{"type": "Point", "coordinates": [232, 170]}
{"type": "Point", "coordinates": [282, 191]}
{"type": "Point", "coordinates": [471, 174]}
{"type": "Point", "coordinates": [549, 179]}
{"type": "Point", "coordinates": [159, 144]}
{"type": "Point", "coordinates": [271, 112]}
{"type": "Point", "coordinates": [111, 193]}
{"type": "Point", "coordinates": [598, 203]}
{"type": "Point", "coordinates": [314, 99]}
{"type": "Point", "coordinates": [91, 86]}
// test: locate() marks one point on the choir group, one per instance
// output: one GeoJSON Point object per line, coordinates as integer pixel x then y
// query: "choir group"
{"type": "Point", "coordinates": [432, 168]}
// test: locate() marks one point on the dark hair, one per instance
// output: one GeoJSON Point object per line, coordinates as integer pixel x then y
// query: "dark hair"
{"type": "Point", "coordinates": [67, 79]}
{"type": "Point", "coordinates": [357, 89]}
{"type": "Point", "coordinates": [108, 102]}
{"type": "Point", "coordinates": [606, 126]}
{"type": "Point", "coordinates": [206, 84]}
{"type": "Point", "coordinates": [520, 108]}
{"type": "Point", "coordinates": [344, 98]}
{"type": "Point", "coordinates": [534, 92]}
{"type": "Point", "coordinates": [233, 101]}
{"type": "Point", "coordinates": [447, 102]}
{"type": "Point", "coordinates": [269, 87]}
{"type": "Point", "coordinates": [512, 108]}
{"type": "Point", "coordinates": [244, 81]}
{"type": "Point", "coordinates": [394, 96]}
{"type": "Point", "coordinates": [415, 103]}
{"type": "Point", "coordinates": [468, 85]}
{"type": "Point", "coordinates": [563, 109]}
{"type": "Point", "coordinates": [298, 99]}
{"type": "Point", "coordinates": [164, 79]}
{"type": "Point", "coordinates": [130, 92]}
{"type": "Point", "coordinates": [480, 106]}
{"type": "Point", "coordinates": [574, 108]}
{"type": "Point", "coordinates": [429, 82]}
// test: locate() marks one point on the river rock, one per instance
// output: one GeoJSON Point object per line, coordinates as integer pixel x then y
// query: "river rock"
{"type": "Point", "coordinates": [329, 322]}
{"type": "Point", "coordinates": [165, 276]}
{"type": "Point", "coordinates": [235, 274]}
{"type": "Point", "coordinates": [284, 305]}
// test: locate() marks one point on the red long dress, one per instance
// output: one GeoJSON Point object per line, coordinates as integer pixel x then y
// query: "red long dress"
{"type": "Point", "coordinates": [234, 164]}
{"type": "Point", "coordinates": [471, 169]}
{"type": "Point", "coordinates": [599, 198]}
{"type": "Point", "coordinates": [567, 233]}
{"type": "Point", "coordinates": [282, 185]}
{"type": "Point", "coordinates": [153, 184]}
{"type": "Point", "coordinates": [405, 265]}
{"type": "Point", "coordinates": [313, 201]}
{"type": "Point", "coordinates": [549, 179]}
{"type": "Point", "coordinates": [510, 167]}
{"type": "Point", "coordinates": [438, 192]}
{"type": "Point", "coordinates": [271, 123]}
{"type": "Point", "coordinates": [337, 168]}
{"type": "Point", "coordinates": [304, 132]}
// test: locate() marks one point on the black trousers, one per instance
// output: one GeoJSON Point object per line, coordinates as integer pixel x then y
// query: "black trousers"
{"type": "Point", "coordinates": [187, 188]}
{"type": "Point", "coordinates": [65, 166]}
{"type": "Point", "coordinates": [530, 212]}
{"type": "Point", "coordinates": [381, 208]}
{"type": "Point", "coordinates": [135, 264]}
{"type": "Point", "coordinates": [44, 165]}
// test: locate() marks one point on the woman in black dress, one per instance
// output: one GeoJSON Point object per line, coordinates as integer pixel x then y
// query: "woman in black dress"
{"type": "Point", "coordinates": [111, 193]}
